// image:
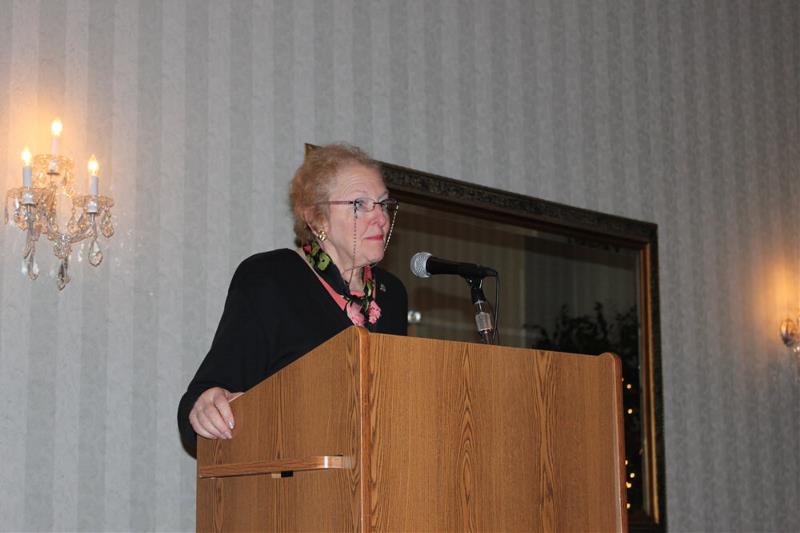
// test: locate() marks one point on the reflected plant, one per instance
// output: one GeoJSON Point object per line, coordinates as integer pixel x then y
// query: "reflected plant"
{"type": "Point", "coordinates": [594, 335]}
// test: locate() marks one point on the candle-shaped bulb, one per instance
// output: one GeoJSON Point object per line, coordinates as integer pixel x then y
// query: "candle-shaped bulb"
{"type": "Point", "coordinates": [94, 166]}
{"type": "Point", "coordinates": [55, 128]}
{"type": "Point", "coordinates": [26, 168]}
{"type": "Point", "coordinates": [94, 170]}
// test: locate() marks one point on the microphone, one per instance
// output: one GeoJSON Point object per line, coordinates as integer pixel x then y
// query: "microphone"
{"type": "Point", "coordinates": [424, 265]}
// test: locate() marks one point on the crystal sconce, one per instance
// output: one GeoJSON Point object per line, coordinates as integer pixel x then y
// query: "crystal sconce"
{"type": "Point", "coordinates": [790, 334]}
{"type": "Point", "coordinates": [48, 179]}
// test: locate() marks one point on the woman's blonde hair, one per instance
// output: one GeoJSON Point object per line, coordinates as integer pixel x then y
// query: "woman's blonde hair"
{"type": "Point", "coordinates": [313, 181]}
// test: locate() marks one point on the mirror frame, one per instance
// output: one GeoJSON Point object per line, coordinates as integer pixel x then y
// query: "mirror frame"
{"type": "Point", "coordinates": [446, 194]}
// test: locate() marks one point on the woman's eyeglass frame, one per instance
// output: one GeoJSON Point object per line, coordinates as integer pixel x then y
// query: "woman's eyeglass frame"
{"type": "Point", "coordinates": [367, 205]}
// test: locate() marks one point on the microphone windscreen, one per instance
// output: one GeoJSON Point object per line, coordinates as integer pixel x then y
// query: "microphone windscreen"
{"type": "Point", "coordinates": [418, 264]}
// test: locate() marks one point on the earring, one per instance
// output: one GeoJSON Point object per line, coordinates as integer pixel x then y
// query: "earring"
{"type": "Point", "coordinates": [322, 235]}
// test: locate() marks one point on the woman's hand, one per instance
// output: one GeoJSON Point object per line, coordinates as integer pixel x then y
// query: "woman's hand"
{"type": "Point", "coordinates": [211, 416]}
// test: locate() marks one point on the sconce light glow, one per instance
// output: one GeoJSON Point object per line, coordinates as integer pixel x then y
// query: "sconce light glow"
{"type": "Point", "coordinates": [94, 166]}
{"type": "Point", "coordinates": [94, 170]}
{"type": "Point", "coordinates": [27, 171]}
{"type": "Point", "coordinates": [56, 127]}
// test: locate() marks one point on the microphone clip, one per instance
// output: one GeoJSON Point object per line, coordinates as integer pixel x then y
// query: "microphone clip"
{"type": "Point", "coordinates": [483, 313]}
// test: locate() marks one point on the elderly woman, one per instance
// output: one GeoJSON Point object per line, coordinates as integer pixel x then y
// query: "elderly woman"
{"type": "Point", "coordinates": [282, 304]}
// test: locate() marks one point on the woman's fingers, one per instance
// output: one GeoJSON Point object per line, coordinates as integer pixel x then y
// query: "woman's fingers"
{"type": "Point", "coordinates": [224, 410]}
{"type": "Point", "coordinates": [213, 422]}
{"type": "Point", "coordinates": [211, 414]}
{"type": "Point", "coordinates": [198, 428]}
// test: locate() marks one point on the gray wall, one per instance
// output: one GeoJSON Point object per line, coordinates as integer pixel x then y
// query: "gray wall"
{"type": "Point", "coordinates": [680, 113]}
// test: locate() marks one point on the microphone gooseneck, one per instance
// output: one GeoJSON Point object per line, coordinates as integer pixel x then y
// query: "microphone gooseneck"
{"type": "Point", "coordinates": [424, 265]}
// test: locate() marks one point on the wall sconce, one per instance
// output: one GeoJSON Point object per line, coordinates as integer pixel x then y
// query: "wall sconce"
{"type": "Point", "coordinates": [36, 208]}
{"type": "Point", "coordinates": [790, 333]}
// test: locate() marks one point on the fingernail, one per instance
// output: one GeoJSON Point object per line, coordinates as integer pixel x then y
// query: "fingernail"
{"type": "Point", "coordinates": [228, 435]}
{"type": "Point", "coordinates": [230, 424]}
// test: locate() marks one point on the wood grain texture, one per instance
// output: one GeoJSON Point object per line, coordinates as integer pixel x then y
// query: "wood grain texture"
{"type": "Point", "coordinates": [443, 436]}
{"type": "Point", "coordinates": [308, 409]}
{"type": "Point", "coordinates": [474, 438]}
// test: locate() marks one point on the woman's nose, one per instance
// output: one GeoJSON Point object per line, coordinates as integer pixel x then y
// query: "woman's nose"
{"type": "Point", "coordinates": [379, 216]}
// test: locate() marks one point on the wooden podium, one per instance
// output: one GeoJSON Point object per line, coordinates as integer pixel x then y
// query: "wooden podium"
{"type": "Point", "coordinates": [373, 432]}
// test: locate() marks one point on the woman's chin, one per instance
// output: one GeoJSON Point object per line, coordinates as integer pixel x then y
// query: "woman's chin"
{"type": "Point", "coordinates": [371, 259]}
{"type": "Point", "coordinates": [375, 259]}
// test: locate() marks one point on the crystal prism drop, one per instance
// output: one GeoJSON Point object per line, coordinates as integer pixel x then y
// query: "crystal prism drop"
{"type": "Point", "coordinates": [106, 226]}
{"type": "Point", "coordinates": [34, 271]}
{"type": "Point", "coordinates": [30, 266]}
{"type": "Point", "coordinates": [28, 250]}
{"type": "Point", "coordinates": [63, 276]}
{"type": "Point", "coordinates": [95, 254]}
{"type": "Point", "coordinates": [72, 226]}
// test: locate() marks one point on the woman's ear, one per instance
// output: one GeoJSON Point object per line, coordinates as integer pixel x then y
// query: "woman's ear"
{"type": "Point", "coordinates": [314, 220]}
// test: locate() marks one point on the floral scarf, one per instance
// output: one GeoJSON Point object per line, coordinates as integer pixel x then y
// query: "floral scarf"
{"type": "Point", "coordinates": [360, 308]}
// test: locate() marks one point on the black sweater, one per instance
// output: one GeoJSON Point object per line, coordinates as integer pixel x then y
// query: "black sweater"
{"type": "Point", "coordinates": [276, 311]}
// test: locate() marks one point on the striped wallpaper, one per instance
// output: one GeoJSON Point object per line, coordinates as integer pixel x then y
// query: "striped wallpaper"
{"type": "Point", "coordinates": [682, 113]}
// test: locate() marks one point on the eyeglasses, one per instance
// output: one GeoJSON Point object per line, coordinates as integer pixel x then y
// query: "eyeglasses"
{"type": "Point", "coordinates": [367, 205]}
